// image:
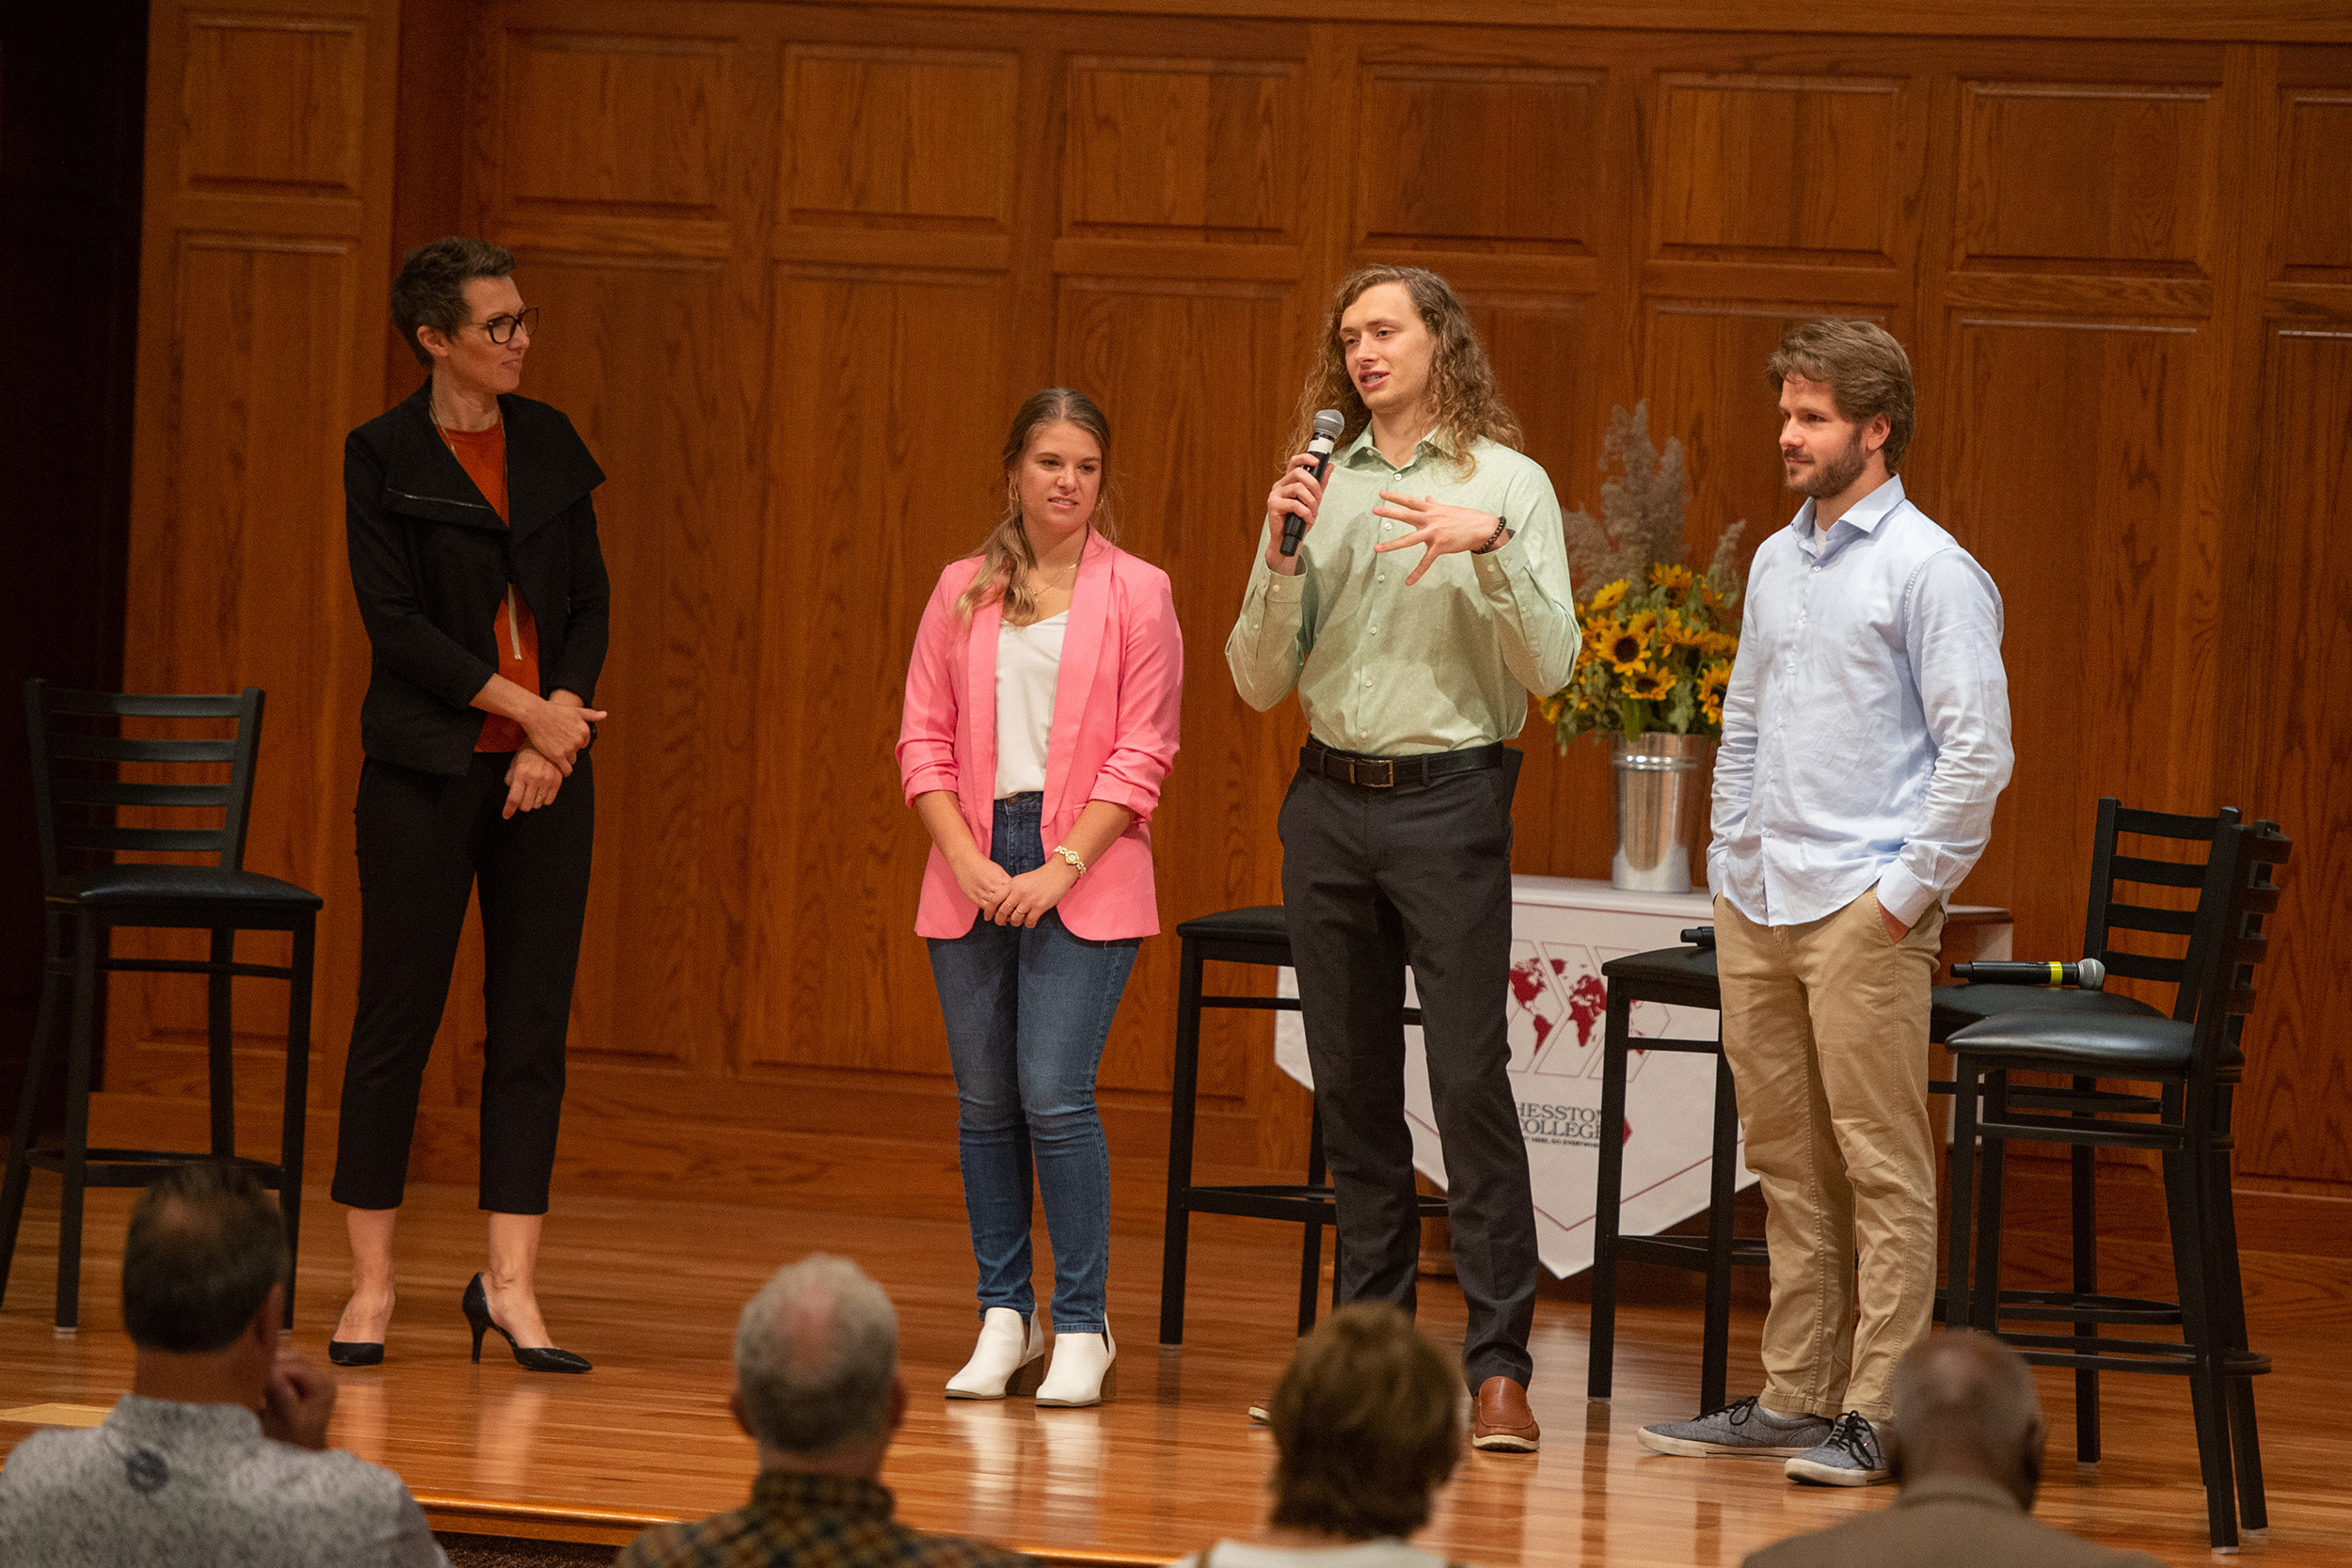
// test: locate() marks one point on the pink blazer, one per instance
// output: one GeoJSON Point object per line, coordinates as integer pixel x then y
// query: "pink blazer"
{"type": "Point", "coordinates": [1117, 706]}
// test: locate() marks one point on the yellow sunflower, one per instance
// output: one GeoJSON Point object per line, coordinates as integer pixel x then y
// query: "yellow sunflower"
{"type": "Point", "coordinates": [1642, 624]}
{"type": "Point", "coordinates": [1707, 595]}
{"type": "Point", "coordinates": [1672, 577]}
{"type": "Point", "coordinates": [1681, 633]}
{"type": "Point", "coordinates": [1645, 684]}
{"type": "Point", "coordinates": [1622, 646]}
{"type": "Point", "coordinates": [1713, 678]}
{"type": "Point", "coordinates": [1719, 644]}
{"type": "Point", "coordinates": [1606, 599]}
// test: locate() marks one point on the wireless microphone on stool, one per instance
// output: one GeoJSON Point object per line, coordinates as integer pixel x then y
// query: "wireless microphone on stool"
{"type": "Point", "coordinates": [2090, 975]}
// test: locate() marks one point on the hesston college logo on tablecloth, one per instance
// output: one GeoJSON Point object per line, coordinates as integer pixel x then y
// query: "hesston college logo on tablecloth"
{"type": "Point", "coordinates": [1577, 1126]}
{"type": "Point", "coordinates": [1559, 1010]}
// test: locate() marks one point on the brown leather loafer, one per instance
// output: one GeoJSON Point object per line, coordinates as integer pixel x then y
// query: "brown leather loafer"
{"type": "Point", "coordinates": [1500, 1422]}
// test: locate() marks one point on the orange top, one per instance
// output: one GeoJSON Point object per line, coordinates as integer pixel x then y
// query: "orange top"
{"type": "Point", "coordinates": [483, 453]}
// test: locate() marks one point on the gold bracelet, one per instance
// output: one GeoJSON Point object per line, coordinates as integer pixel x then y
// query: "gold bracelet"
{"type": "Point", "coordinates": [1066, 853]}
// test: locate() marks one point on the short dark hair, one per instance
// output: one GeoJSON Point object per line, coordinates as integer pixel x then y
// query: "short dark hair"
{"type": "Point", "coordinates": [1867, 371]}
{"type": "Point", "coordinates": [1369, 1424]}
{"type": "Point", "coordinates": [206, 1245]}
{"type": "Point", "coordinates": [431, 288]}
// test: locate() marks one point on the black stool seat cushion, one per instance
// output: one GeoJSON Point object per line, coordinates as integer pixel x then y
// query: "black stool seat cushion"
{"type": "Point", "coordinates": [2087, 1044]}
{"type": "Point", "coordinates": [104, 886]}
{"type": "Point", "coordinates": [1690, 965]}
{"type": "Point", "coordinates": [1955, 1007]}
{"type": "Point", "coordinates": [1262, 921]}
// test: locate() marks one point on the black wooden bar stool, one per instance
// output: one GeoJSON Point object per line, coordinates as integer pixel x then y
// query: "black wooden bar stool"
{"type": "Point", "coordinates": [2135, 856]}
{"type": "Point", "coordinates": [85, 904]}
{"type": "Point", "coordinates": [2183, 1070]}
{"type": "Point", "coordinates": [1257, 935]}
{"type": "Point", "coordinates": [1676, 977]}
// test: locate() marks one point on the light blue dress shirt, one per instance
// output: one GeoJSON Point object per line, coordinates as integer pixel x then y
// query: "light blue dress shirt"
{"type": "Point", "coordinates": [1865, 728]}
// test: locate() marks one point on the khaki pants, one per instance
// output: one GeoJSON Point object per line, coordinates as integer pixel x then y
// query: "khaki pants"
{"type": "Point", "coordinates": [1825, 1027]}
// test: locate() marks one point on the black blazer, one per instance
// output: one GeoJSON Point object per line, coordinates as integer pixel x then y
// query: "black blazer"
{"type": "Point", "coordinates": [429, 561]}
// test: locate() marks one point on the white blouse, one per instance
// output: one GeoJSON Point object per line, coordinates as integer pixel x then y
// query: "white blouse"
{"type": "Point", "coordinates": [1029, 660]}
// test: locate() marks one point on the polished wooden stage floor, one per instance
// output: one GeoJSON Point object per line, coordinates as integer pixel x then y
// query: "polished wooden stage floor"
{"type": "Point", "coordinates": [649, 1290]}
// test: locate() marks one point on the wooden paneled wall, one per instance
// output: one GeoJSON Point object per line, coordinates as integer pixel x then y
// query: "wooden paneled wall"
{"type": "Point", "coordinates": [261, 290]}
{"type": "Point", "coordinates": [799, 262]}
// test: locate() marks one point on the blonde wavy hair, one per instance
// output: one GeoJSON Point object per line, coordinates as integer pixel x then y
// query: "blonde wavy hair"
{"type": "Point", "coordinates": [1006, 556]}
{"type": "Point", "coordinates": [1461, 377]}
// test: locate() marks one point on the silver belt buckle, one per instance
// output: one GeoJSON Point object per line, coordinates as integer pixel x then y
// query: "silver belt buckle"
{"type": "Point", "coordinates": [1387, 763]}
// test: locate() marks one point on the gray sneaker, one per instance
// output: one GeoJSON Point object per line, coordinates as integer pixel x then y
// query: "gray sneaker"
{"type": "Point", "coordinates": [1743, 1430]}
{"type": "Point", "coordinates": [1851, 1455]}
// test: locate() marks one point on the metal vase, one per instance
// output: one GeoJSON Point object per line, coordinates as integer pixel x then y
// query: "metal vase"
{"type": "Point", "coordinates": [1659, 780]}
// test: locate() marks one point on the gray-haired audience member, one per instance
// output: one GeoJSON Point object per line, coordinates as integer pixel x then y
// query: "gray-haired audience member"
{"type": "Point", "coordinates": [816, 1386]}
{"type": "Point", "coordinates": [219, 1454]}
{"type": "Point", "coordinates": [1967, 1451]}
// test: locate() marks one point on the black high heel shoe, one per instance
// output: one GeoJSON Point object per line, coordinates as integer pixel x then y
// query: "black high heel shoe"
{"type": "Point", "coordinates": [535, 1358]}
{"type": "Point", "coordinates": [356, 1353]}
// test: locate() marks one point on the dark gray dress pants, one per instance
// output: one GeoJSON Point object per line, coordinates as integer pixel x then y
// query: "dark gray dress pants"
{"type": "Point", "coordinates": [1373, 880]}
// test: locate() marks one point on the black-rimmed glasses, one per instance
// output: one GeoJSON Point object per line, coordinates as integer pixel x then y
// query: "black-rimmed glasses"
{"type": "Point", "coordinates": [502, 328]}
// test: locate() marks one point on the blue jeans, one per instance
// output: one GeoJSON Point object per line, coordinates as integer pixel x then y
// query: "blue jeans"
{"type": "Point", "coordinates": [1027, 1012]}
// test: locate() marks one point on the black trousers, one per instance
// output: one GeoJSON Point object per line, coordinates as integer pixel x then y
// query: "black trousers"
{"type": "Point", "coordinates": [425, 840]}
{"type": "Point", "coordinates": [1373, 880]}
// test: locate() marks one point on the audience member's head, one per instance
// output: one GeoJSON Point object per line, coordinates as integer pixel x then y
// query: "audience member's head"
{"type": "Point", "coordinates": [1964, 1405]}
{"type": "Point", "coordinates": [207, 1253]}
{"type": "Point", "coordinates": [1368, 1420]}
{"type": "Point", "coordinates": [816, 1368]}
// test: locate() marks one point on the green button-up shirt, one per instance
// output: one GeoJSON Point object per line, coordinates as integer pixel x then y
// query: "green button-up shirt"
{"type": "Point", "coordinates": [1443, 664]}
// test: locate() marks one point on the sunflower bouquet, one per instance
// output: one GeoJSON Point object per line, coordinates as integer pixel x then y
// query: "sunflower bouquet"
{"type": "Point", "coordinates": [1659, 638]}
{"type": "Point", "coordinates": [1657, 656]}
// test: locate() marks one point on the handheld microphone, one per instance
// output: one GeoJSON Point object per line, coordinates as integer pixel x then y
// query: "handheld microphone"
{"type": "Point", "coordinates": [2090, 975]}
{"type": "Point", "coordinates": [1329, 423]}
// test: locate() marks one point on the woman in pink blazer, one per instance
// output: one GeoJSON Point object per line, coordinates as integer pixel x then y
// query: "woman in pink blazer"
{"type": "Point", "coordinates": [1041, 713]}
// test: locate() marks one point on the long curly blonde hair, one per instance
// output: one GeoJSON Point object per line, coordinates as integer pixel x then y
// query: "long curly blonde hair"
{"type": "Point", "coordinates": [1461, 377]}
{"type": "Point", "coordinates": [1006, 556]}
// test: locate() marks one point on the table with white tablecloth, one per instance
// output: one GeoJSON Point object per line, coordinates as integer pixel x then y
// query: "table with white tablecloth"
{"type": "Point", "coordinates": [1562, 929]}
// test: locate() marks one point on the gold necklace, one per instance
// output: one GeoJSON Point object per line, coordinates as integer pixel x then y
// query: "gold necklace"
{"type": "Point", "coordinates": [1068, 574]}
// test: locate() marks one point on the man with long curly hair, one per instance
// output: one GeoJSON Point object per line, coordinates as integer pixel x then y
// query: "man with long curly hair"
{"type": "Point", "coordinates": [1428, 596]}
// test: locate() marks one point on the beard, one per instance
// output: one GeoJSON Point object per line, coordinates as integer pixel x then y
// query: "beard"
{"type": "Point", "coordinates": [1831, 477]}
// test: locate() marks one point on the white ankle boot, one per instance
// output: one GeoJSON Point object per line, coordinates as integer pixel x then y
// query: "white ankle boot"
{"type": "Point", "coordinates": [1086, 1371]}
{"type": "Point", "coordinates": [1007, 1361]}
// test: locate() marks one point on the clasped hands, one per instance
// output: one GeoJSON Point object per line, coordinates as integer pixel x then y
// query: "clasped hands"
{"type": "Point", "coordinates": [554, 734]}
{"type": "Point", "coordinates": [1006, 900]}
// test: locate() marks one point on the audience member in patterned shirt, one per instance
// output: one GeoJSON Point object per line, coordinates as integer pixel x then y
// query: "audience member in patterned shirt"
{"type": "Point", "coordinates": [219, 1454]}
{"type": "Point", "coordinates": [816, 1386]}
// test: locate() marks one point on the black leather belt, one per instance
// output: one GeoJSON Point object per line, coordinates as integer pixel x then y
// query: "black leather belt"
{"type": "Point", "coordinates": [1388, 773]}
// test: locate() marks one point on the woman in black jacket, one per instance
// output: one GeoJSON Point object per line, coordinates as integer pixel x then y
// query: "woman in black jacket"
{"type": "Point", "coordinates": [474, 555]}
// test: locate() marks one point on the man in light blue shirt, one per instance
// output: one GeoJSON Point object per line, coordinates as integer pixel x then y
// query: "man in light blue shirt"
{"type": "Point", "coordinates": [1866, 738]}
